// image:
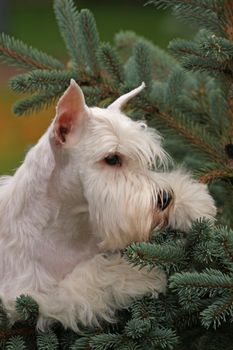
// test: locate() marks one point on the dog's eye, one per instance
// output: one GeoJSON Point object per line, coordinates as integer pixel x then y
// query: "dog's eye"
{"type": "Point", "coordinates": [113, 160]}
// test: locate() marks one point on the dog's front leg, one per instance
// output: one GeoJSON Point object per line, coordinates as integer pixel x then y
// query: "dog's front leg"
{"type": "Point", "coordinates": [95, 289]}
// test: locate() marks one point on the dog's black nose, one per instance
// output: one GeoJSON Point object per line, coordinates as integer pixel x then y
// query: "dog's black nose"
{"type": "Point", "coordinates": [164, 199]}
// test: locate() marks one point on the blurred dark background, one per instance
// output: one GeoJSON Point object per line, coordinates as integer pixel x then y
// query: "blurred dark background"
{"type": "Point", "coordinates": [34, 23]}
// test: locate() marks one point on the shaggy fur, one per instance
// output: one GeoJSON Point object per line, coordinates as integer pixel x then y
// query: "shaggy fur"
{"type": "Point", "coordinates": [66, 212]}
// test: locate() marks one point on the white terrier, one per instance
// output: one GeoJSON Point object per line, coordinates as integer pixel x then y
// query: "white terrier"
{"type": "Point", "coordinates": [87, 189]}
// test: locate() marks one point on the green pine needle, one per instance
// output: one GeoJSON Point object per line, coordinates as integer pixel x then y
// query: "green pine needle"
{"type": "Point", "coordinates": [223, 246]}
{"type": "Point", "coordinates": [39, 80]}
{"type": "Point", "coordinates": [199, 12]}
{"type": "Point", "coordinates": [136, 329]}
{"type": "Point", "coordinates": [177, 78]}
{"type": "Point", "coordinates": [16, 53]}
{"type": "Point", "coordinates": [170, 256]}
{"type": "Point", "coordinates": [80, 344]}
{"type": "Point", "coordinates": [218, 312]}
{"type": "Point", "coordinates": [110, 61]}
{"type": "Point", "coordinates": [36, 102]}
{"type": "Point", "coordinates": [89, 39]}
{"type": "Point", "coordinates": [163, 338]}
{"type": "Point", "coordinates": [67, 19]}
{"type": "Point", "coordinates": [143, 63]}
{"type": "Point", "coordinates": [27, 308]}
{"type": "Point", "coordinates": [47, 341]}
{"type": "Point", "coordinates": [16, 343]}
{"type": "Point", "coordinates": [105, 341]}
{"type": "Point", "coordinates": [210, 281]}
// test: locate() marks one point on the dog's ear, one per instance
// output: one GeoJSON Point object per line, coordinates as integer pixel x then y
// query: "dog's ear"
{"type": "Point", "coordinates": [71, 113]}
{"type": "Point", "coordinates": [122, 100]}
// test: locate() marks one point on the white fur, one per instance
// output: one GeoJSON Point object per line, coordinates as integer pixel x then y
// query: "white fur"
{"type": "Point", "coordinates": [65, 214]}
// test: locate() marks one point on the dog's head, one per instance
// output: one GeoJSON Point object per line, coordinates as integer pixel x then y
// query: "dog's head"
{"type": "Point", "coordinates": [116, 160]}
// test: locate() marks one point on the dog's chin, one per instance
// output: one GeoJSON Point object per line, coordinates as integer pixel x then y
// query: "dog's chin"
{"type": "Point", "coordinates": [112, 244]}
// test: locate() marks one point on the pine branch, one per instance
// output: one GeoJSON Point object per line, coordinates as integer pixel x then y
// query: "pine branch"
{"type": "Point", "coordinates": [47, 341]}
{"type": "Point", "coordinates": [67, 19]}
{"type": "Point", "coordinates": [161, 311]}
{"type": "Point", "coordinates": [89, 40]}
{"type": "Point", "coordinates": [143, 63]}
{"type": "Point", "coordinates": [162, 62]}
{"type": "Point", "coordinates": [36, 102]}
{"type": "Point", "coordinates": [104, 94]}
{"type": "Point", "coordinates": [27, 308]}
{"type": "Point", "coordinates": [16, 343]}
{"type": "Point", "coordinates": [213, 174]}
{"type": "Point", "coordinates": [182, 49]}
{"type": "Point", "coordinates": [187, 319]}
{"type": "Point", "coordinates": [136, 329]}
{"type": "Point", "coordinates": [198, 12]}
{"type": "Point", "coordinates": [199, 284]}
{"type": "Point", "coordinates": [177, 78]}
{"type": "Point", "coordinates": [203, 64]}
{"type": "Point", "coordinates": [192, 132]}
{"type": "Point", "coordinates": [163, 338]}
{"type": "Point", "coordinates": [217, 109]}
{"type": "Point", "coordinates": [201, 245]}
{"type": "Point", "coordinates": [105, 341]}
{"type": "Point", "coordinates": [110, 62]}
{"type": "Point", "coordinates": [223, 247]}
{"type": "Point", "coordinates": [216, 48]}
{"type": "Point", "coordinates": [193, 57]}
{"type": "Point", "coordinates": [146, 309]}
{"type": "Point", "coordinates": [170, 256]}
{"type": "Point", "coordinates": [93, 95]}
{"type": "Point", "coordinates": [81, 344]}
{"type": "Point", "coordinates": [219, 311]}
{"type": "Point", "coordinates": [18, 54]}
{"type": "Point", "coordinates": [198, 16]}
{"type": "Point", "coordinates": [39, 80]}
{"type": "Point", "coordinates": [204, 5]}
{"type": "Point", "coordinates": [129, 345]}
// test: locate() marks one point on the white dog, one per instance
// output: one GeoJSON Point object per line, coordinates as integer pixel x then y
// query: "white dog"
{"type": "Point", "coordinates": [90, 187]}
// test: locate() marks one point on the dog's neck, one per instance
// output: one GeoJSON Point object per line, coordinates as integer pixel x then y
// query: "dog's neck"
{"type": "Point", "coordinates": [43, 194]}
{"type": "Point", "coordinates": [43, 210]}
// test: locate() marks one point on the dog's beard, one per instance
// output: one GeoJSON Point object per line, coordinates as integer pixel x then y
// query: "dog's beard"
{"type": "Point", "coordinates": [126, 210]}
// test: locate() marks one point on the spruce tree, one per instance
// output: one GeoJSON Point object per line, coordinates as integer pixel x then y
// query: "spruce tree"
{"type": "Point", "coordinates": [189, 98]}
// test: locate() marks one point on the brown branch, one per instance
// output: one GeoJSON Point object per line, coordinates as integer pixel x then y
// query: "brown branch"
{"type": "Point", "coordinates": [227, 16]}
{"type": "Point", "coordinates": [111, 63]}
{"type": "Point", "coordinates": [227, 250]}
{"type": "Point", "coordinates": [13, 332]}
{"type": "Point", "coordinates": [25, 59]}
{"type": "Point", "coordinates": [213, 175]}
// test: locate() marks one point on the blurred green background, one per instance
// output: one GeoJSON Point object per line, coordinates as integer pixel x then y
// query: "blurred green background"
{"type": "Point", "coordinates": [34, 23]}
